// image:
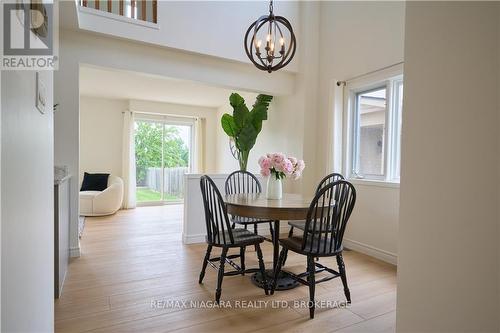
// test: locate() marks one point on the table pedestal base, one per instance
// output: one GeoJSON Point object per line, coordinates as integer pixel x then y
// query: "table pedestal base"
{"type": "Point", "coordinates": [284, 281]}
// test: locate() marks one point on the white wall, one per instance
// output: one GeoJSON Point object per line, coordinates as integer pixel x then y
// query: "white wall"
{"type": "Point", "coordinates": [1, 199]}
{"type": "Point", "coordinates": [356, 38]}
{"type": "Point", "coordinates": [448, 233]}
{"type": "Point", "coordinates": [101, 131]}
{"type": "Point", "coordinates": [198, 26]}
{"type": "Point", "coordinates": [299, 118]}
{"type": "Point", "coordinates": [278, 135]}
{"type": "Point", "coordinates": [209, 130]}
{"type": "Point", "coordinates": [101, 135]}
{"type": "Point", "coordinates": [27, 263]}
{"type": "Point", "coordinates": [271, 138]}
{"type": "Point", "coordinates": [81, 48]}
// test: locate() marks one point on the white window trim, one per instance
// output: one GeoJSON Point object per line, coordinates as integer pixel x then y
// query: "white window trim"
{"type": "Point", "coordinates": [376, 183]}
{"type": "Point", "coordinates": [387, 77]}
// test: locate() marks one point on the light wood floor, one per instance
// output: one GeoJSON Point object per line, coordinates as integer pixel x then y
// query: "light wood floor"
{"type": "Point", "coordinates": [136, 257]}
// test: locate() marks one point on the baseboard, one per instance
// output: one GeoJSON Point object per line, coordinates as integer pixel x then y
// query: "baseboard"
{"type": "Point", "coordinates": [383, 255]}
{"type": "Point", "coordinates": [74, 252]}
{"type": "Point", "coordinates": [62, 284]}
{"type": "Point", "coordinates": [193, 239]}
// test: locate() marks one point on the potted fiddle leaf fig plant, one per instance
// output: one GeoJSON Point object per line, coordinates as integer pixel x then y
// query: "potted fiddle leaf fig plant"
{"type": "Point", "coordinates": [243, 126]}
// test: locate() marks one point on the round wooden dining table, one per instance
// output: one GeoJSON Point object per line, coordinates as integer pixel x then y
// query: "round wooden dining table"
{"type": "Point", "coordinates": [289, 207]}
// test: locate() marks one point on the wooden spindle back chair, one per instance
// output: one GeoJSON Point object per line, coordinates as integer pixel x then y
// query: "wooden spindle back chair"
{"type": "Point", "coordinates": [244, 182]}
{"type": "Point", "coordinates": [324, 229]}
{"type": "Point", "coordinates": [331, 178]}
{"type": "Point", "coordinates": [220, 234]}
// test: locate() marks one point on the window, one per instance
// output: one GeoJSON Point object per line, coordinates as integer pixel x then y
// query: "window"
{"type": "Point", "coordinates": [374, 109]}
{"type": "Point", "coordinates": [163, 154]}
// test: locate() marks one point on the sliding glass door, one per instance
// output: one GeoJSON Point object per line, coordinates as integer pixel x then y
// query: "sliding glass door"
{"type": "Point", "coordinates": [163, 154]}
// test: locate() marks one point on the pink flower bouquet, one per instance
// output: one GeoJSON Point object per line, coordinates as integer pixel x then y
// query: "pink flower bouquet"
{"type": "Point", "coordinates": [281, 166]}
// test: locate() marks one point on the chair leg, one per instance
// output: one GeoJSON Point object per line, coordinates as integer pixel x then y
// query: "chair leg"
{"type": "Point", "coordinates": [290, 233]}
{"type": "Point", "coordinates": [311, 268]}
{"type": "Point", "coordinates": [218, 291]}
{"type": "Point", "coordinates": [281, 262]}
{"type": "Point", "coordinates": [262, 267]}
{"type": "Point", "coordinates": [205, 262]}
{"type": "Point", "coordinates": [343, 276]}
{"type": "Point", "coordinates": [271, 231]}
{"type": "Point", "coordinates": [233, 225]}
{"type": "Point", "coordinates": [284, 259]}
{"type": "Point", "coordinates": [242, 260]}
{"type": "Point", "coordinates": [255, 232]}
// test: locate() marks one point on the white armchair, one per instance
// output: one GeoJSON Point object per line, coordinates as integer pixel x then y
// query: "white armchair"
{"type": "Point", "coordinates": [99, 203]}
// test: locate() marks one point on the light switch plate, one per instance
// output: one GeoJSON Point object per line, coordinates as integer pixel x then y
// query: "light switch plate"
{"type": "Point", "coordinates": [41, 94]}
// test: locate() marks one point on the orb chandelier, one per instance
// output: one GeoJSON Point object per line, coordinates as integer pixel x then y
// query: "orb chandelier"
{"type": "Point", "coordinates": [270, 42]}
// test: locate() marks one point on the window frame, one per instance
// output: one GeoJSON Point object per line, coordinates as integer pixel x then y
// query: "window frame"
{"type": "Point", "coordinates": [396, 137]}
{"type": "Point", "coordinates": [390, 79]}
{"type": "Point", "coordinates": [170, 120]}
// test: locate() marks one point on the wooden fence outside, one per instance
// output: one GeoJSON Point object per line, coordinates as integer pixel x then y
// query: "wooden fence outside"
{"type": "Point", "coordinates": [173, 180]}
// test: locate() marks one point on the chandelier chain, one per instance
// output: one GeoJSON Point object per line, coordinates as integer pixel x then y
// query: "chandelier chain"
{"type": "Point", "coordinates": [270, 6]}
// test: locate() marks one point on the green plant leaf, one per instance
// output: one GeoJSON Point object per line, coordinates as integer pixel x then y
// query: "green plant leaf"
{"type": "Point", "coordinates": [263, 100]}
{"type": "Point", "coordinates": [257, 116]}
{"type": "Point", "coordinates": [236, 100]}
{"type": "Point", "coordinates": [240, 111]}
{"type": "Point", "coordinates": [228, 125]}
{"type": "Point", "coordinates": [241, 117]}
{"type": "Point", "coordinates": [259, 111]}
{"type": "Point", "coordinates": [244, 125]}
{"type": "Point", "coordinates": [247, 138]}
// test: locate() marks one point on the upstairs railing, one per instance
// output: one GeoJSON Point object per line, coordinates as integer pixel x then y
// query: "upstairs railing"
{"type": "Point", "coordinates": [144, 10]}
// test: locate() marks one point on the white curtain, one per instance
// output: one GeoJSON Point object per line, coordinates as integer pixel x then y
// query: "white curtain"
{"type": "Point", "coordinates": [335, 128]}
{"type": "Point", "coordinates": [128, 161]}
{"type": "Point", "coordinates": [199, 151]}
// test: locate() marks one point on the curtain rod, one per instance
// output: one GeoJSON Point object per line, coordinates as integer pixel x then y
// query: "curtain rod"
{"type": "Point", "coordinates": [164, 114]}
{"type": "Point", "coordinates": [339, 83]}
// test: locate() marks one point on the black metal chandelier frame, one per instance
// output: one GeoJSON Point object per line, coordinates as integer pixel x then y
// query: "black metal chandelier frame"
{"type": "Point", "coordinates": [275, 24]}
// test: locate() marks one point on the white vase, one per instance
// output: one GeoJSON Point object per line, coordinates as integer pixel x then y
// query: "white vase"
{"type": "Point", "coordinates": [274, 189]}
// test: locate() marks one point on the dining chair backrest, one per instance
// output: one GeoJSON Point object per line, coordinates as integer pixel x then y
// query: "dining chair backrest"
{"type": "Point", "coordinates": [327, 218]}
{"type": "Point", "coordinates": [331, 178]}
{"type": "Point", "coordinates": [217, 222]}
{"type": "Point", "coordinates": [242, 182]}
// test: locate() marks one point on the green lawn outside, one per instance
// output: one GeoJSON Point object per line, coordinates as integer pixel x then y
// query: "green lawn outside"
{"type": "Point", "coordinates": [146, 194]}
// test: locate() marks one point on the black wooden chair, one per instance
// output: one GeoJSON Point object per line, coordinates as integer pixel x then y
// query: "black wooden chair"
{"type": "Point", "coordinates": [220, 234]}
{"type": "Point", "coordinates": [331, 178]}
{"type": "Point", "coordinates": [245, 182]}
{"type": "Point", "coordinates": [326, 221]}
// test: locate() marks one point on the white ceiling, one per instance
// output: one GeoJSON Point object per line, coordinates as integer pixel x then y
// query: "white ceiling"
{"type": "Point", "coordinates": [107, 83]}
